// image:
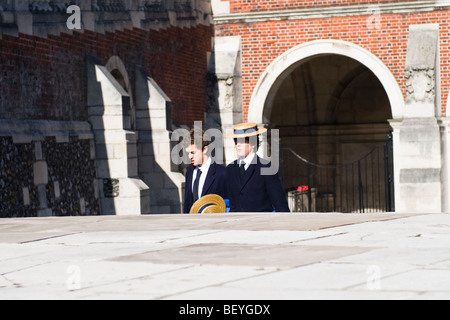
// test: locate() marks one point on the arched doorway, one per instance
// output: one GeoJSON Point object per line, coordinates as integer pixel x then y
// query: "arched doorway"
{"type": "Point", "coordinates": [332, 113]}
{"type": "Point", "coordinates": [262, 96]}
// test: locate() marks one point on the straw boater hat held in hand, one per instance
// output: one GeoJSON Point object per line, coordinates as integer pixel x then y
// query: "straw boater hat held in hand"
{"type": "Point", "coordinates": [244, 130]}
{"type": "Point", "coordinates": [211, 203]}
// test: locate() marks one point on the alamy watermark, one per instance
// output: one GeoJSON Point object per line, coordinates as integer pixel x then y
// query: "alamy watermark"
{"type": "Point", "coordinates": [374, 277]}
{"type": "Point", "coordinates": [74, 21]}
{"type": "Point", "coordinates": [179, 154]}
{"type": "Point", "coordinates": [73, 281]}
{"type": "Point", "coordinates": [374, 19]}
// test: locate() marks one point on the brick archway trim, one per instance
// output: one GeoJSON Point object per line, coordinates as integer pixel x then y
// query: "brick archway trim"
{"type": "Point", "coordinates": [278, 70]}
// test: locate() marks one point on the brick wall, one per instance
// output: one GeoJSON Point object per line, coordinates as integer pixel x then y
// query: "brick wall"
{"type": "Point", "coordinates": [45, 78]}
{"type": "Point", "coordinates": [237, 6]}
{"type": "Point", "coordinates": [263, 42]}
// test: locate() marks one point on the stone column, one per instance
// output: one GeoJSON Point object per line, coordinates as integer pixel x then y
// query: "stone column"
{"type": "Point", "coordinates": [444, 124]}
{"type": "Point", "coordinates": [40, 173]}
{"type": "Point", "coordinates": [22, 17]}
{"type": "Point", "coordinates": [417, 141]}
{"type": "Point", "coordinates": [121, 191]}
{"type": "Point", "coordinates": [225, 89]}
{"type": "Point", "coordinates": [153, 122]}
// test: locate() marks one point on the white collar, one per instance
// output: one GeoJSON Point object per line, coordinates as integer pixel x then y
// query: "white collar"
{"type": "Point", "coordinates": [205, 167]}
{"type": "Point", "coordinates": [248, 160]}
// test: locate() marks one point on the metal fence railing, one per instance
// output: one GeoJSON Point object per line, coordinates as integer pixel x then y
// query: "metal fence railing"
{"type": "Point", "coordinates": [366, 185]}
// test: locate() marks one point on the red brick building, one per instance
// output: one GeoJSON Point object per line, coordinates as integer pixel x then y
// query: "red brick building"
{"type": "Point", "coordinates": [268, 29]}
{"type": "Point", "coordinates": [335, 78]}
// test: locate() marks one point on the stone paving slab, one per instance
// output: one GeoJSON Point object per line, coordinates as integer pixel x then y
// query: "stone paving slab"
{"type": "Point", "coordinates": [232, 256]}
{"type": "Point", "coordinates": [243, 255]}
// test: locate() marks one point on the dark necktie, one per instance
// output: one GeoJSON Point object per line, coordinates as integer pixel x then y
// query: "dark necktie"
{"type": "Point", "coordinates": [242, 168]}
{"type": "Point", "coordinates": [196, 184]}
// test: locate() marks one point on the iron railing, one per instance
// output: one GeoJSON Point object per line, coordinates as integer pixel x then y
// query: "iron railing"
{"type": "Point", "coordinates": [363, 186]}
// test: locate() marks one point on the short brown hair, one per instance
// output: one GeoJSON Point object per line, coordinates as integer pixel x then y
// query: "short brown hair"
{"type": "Point", "coordinates": [199, 138]}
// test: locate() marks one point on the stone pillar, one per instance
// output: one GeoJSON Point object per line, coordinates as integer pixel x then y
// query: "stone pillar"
{"type": "Point", "coordinates": [444, 124]}
{"type": "Point", "coordinates": [417, 141]}
{"type": "Point", "coordinates": [22, 17]}
{"type": "Point", "coordinates": [40, 173]}
{"type": "Point", "coordinates": [121, 191]}
{"type": "Point", "coordinates": [153, 122]}
{"type": "Point", "coordinates": [225, 89]}
{"type": "Point", "coordinates": [417, 165]}
{"type": "Point", "coordinates": [220, 7]}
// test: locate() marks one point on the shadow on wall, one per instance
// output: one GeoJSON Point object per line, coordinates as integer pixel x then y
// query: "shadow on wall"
{"type": "Point", "coordinates": [154, 126]}
{"type": "Point", "coordinates": [121, 191]}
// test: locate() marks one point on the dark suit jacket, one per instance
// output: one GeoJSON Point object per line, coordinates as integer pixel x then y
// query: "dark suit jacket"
{"type": "Point", "coordinates": [215, 183]}
{"type": "Point", "coordinates": [255, 192]}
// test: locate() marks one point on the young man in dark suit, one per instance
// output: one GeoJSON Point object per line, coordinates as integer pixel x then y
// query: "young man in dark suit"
{"type": "Point", "coordinates": [205, 176]}
{"type": "Point", "coordinates": [250, 189]}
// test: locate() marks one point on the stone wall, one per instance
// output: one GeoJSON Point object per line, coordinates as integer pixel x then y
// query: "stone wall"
{"type": "Point", "coordinates": [19, 196]}
{"type": "Point", "coordinates": [47, 169]}
{"type": "Point", "coordinates": [71, 188]}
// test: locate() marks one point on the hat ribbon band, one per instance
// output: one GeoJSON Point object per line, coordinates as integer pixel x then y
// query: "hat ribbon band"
{"type": "Point", "coordinates": [246, 131]}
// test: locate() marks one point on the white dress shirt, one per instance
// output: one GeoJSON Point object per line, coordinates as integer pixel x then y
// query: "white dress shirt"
{"type": "Point", "coordinates": [204, 168]}
{"type": "Point", "coordinates": [248, 160]}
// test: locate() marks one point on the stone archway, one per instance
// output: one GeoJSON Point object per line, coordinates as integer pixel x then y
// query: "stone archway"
{"type": "Point", "coordinates": [262, 96]}
{"type": "Point", "coordinates": [331, 102]}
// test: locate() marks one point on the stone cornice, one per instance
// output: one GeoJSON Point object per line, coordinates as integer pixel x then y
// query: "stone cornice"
{"type": "Point", "coordinates": [26, 131]}
{"type": "Point", "coordinates": [44, 17]}
{"type": "Point", "coordinates": [312, 13]}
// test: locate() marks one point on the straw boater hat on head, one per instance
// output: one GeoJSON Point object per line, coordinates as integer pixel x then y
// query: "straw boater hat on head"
{"type": "Point", "coordinates": [244, 130]}
{"type": "Point", "coordinates": [211, 203]}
